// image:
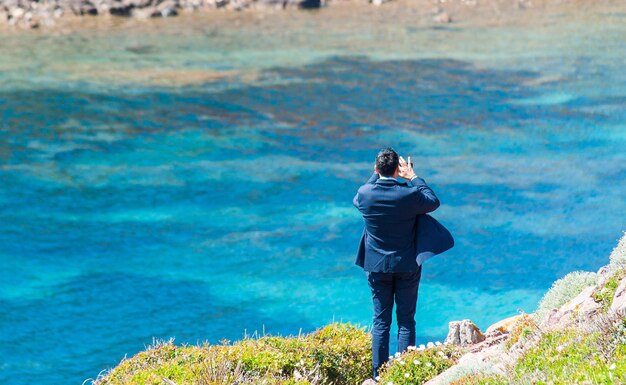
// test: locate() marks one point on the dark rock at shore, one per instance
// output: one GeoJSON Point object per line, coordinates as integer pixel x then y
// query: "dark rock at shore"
{"type": "Point", "coordinates": [121, 9]}
{"type": "Point", "coordinates": [310, 4]}
{"type": "Point", "coordinates": [82, 7]}
{"type": "Point", "coordinates": [277, 4]}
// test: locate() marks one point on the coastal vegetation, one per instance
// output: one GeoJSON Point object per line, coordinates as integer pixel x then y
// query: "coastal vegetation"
{"type": "Point", "coordinates": [419, 365]}
{"type": "Point", "coordinates": [563, 290]}
{"type": "Point", "coordinates": [336, 354]}
{"type": "Point", "coordinates": [572, 338]}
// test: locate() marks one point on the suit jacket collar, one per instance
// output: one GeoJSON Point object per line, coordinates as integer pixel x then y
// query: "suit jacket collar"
{"type": "Point", "coordinates": [388, 182]}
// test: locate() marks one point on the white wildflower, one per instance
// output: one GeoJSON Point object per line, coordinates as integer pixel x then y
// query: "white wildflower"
{"type": "Point", "coordinates": [441, 353]}
{"type": "Point", "coordinates": [430, 345]}
{"type": "Point", "coordinates": [390, 358]}
{"type": "Point", "coordinates": [397, 354]}
{"type": "Point", "coordinates": [422, 347]}
{"type": "Point", "coordinates": [401, 362]}
{"type": "Point", "coordinates": [429, 364]}
{"type": "Point", "coordinates": [389, 383]}
{"type": "Point", "coordinates": [438, 343]}
{"type": "Point", "coordinates": [612, 367]}
{"type": "Point", "coordinates": [411, 347]}
{"type": "Point", "coordinates": [416, 362]}
{"type": "Point", "coordinates": [407, 375]}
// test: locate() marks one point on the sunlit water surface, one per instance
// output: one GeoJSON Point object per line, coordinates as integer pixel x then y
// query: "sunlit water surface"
{"type": "Point", "coordinates": [196, 183]}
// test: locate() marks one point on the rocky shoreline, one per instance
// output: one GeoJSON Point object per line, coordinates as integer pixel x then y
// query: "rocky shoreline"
{"type": "Point", "coordinates": [29, 14]}
{"type": "Point", "coordinates": [36, 13]}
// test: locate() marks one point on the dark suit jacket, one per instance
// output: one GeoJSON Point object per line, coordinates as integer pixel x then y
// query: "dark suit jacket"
{"type": "Point", "coordinates": [394, 224]}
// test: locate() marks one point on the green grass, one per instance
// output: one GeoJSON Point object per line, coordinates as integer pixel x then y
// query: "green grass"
{"type": "Point", "coordinates": [181, 364]}
{"type": "Point", "coordinates": [335, 354]}
{"type": "Point", "coordinates": [570, 357]}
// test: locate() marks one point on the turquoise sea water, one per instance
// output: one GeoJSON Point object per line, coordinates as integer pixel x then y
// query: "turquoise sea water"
{"type": "Point", "coordinates": [142, 196]}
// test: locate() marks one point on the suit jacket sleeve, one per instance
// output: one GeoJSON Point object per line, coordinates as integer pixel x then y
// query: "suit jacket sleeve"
{"type": "Point", "coordinates": [371, 180]}
{"type": "Point", "coordinates": [425, 200]}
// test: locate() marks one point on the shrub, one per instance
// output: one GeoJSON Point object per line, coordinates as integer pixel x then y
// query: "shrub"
{"type": "Point", "coordinates": [335, 354]}
{"type": "Point", "coordinates": [564, 290]}
{"type": "Point", "coordinates": [618, 255]}
{"type": "Point", "coordinates": [418, 366]}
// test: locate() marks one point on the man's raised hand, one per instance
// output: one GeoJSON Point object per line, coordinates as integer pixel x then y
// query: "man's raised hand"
{"type": "Point", "coordinates": [406, 169]}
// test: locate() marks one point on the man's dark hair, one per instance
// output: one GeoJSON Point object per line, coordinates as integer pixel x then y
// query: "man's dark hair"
{"type": "Point", "coordinates": [387, 162]}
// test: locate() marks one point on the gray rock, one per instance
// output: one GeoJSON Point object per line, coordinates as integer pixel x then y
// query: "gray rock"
{"type": "Point", "coordinates": [17, 13]}
{"type": "Point", "coordinates": [167, 12]}
{"type": "Point", "coordinates": [80, 7]}
{"type": "Point", "coordinates": [166, 9]}
{"type": "Point", "coordinates": [463, 333]}
{"type": "Point", "coordinates": [369, 381]}
{"type": "Point", "coordinates": [551, 318]}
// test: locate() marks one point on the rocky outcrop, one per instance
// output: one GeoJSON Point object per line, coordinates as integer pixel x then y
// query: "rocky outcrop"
{"type": "Point", "coordinates": [501, 345]}
{"type": "Point", "coordinates": [483, 350]}
{"type": "Point", "coordinates": [464, 333]}
{"type": "Point", "coordinates": [583, 306]}
{"type": "Point", "coordinates": [504, 326]}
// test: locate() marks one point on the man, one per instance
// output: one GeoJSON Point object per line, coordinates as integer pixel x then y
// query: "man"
{"type": "Point", "coordinates": [388, 248]}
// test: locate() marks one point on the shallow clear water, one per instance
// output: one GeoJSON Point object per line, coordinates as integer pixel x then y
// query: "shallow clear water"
{"type": "Point", "coordinates": [197, 184]}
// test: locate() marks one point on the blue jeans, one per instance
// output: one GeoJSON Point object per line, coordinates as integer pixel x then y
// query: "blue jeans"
{"type": "Point", "coordinates": [386, 286]}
